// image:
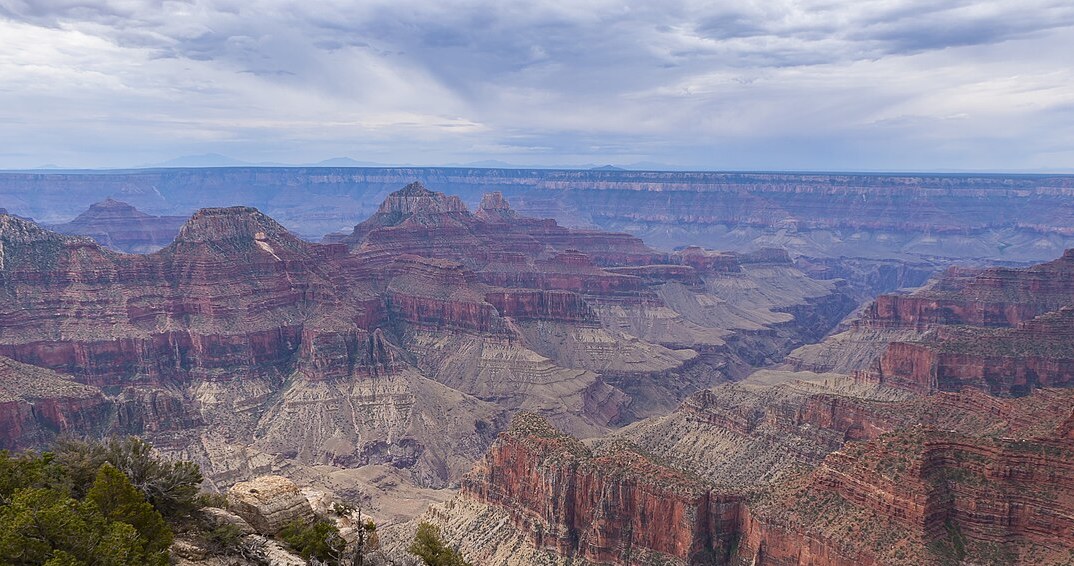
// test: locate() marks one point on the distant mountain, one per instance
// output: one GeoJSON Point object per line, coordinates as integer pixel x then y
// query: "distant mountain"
{"type": "Point", "coordinates": [218, 160]}
{"type": "Point", "coordinates": [345, 162]}
{"type": "Point", "coordinates": [493, 164]}
{"type": "Point", "coordinates": [203, 160]}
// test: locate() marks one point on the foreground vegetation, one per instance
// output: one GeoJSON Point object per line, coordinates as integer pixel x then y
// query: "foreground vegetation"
{"type": "Point", "coordinates": [93, 503]}
{"type": "Point", "coordinates": [115, 503]}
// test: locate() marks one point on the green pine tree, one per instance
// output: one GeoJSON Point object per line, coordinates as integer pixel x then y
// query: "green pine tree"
{"type": "Point", "coordinates": [428, 546]}
{"type": "Point", "coordinates": [118, 500]}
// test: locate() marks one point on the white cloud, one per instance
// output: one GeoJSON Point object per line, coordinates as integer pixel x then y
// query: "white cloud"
{"type": "Point", "coordinates": [814, 84]}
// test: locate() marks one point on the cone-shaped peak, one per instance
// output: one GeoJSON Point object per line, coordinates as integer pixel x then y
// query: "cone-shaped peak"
{"type": "Point", "coordinates": [415, 189]}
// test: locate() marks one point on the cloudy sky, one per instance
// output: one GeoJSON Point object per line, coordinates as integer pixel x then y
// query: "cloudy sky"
{"type": "Point", "coordinates": [739, 84]}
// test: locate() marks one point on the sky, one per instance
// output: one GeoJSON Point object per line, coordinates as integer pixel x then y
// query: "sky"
{"type": "Point", "coordinates": [857, 85]}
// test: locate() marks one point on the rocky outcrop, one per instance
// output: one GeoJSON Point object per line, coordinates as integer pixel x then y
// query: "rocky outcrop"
{"type": "Point", "coordinates": [993, 491]}
{"type": "Point", "coordinates": [855, 475]}
{"type": "Point", "coordinates": [1006, 331]}
{"type": "Point", "coordinates": [269, 503]}
{"type": "Point", "coordinates": [121, 227]}
{"type": "Point", "coordinates": [615, 506]}
{"type": "Point", "coordinates": [994, 297]}
{"type": "Point", "coordinates": [36, 405]}
{"type": "Point", "coordinates": [412, 206]}
{"type": "Point", "coordinates": [494, 208]}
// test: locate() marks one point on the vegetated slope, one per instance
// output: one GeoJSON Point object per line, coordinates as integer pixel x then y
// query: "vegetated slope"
{"type": "Point", "coordinates": [248, 349]}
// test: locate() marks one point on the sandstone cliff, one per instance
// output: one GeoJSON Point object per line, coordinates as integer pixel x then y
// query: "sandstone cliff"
{"type": "Point", "coordinates": [848, 474]}
{"type": "Point", "coordinates": [1003, 330]}
{"type": "Point", "coordinates": [611, 506]}
{"type": "Point", "coordinates": [925, 435]}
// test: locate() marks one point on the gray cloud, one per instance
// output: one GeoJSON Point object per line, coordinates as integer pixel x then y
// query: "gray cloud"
{"type": "Point", "coordinates": [867, 85]}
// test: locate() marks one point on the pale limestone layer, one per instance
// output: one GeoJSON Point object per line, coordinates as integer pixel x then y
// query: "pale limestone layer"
{"type": "Point", "coordinates": [269, 503]}
{"type": "Point", "coordinates": [744, 435]}
{"type": "Point", "coordinates": [849, 351]}
{"type": "Point", "coordinates": [485, 535]}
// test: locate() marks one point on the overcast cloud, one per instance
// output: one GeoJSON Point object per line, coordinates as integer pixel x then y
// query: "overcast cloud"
{"type": "Point", "coordinates": [812, 84]}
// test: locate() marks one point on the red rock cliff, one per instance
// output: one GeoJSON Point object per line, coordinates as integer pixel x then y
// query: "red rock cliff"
{"type": "Point", "coordinates": [616, 507]}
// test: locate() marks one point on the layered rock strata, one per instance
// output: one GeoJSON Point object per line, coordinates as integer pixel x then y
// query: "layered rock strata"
{"type": "Point", "coordinates": [613, 506]}
{"type": "Point", "coordinates": [245, 348]}
{"type": "Point", "coordinates": [121, 227]}
{"type": "Point", "coordinates": [848, 474]}
{"type": "Point", "coordinates": [1003, 330]}
{"type": "Point", "coordinates": [269, 503]}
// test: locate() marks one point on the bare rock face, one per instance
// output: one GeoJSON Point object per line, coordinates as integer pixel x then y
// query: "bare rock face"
{"type": "Point", "coordinates": [1006, 331]}
{"type": "Point", "coordinates": [559, 493]}
{"type": "Point", "coordinates": [269, 503]}
{"type": "Point", "coordinates": [413, 205]}
{"type": "Point", "coordinates": [243, 347]}
{"type": "Point", "coordinates": [495, 208]}
{"type": "Point", "coordinates": [36, 403]}
{"type": "Point", "coordinates": [797, 469]}
{"type": "Point", "coordinates": [121, 227]}
{"type": "Point", "coordinates": [416, 199]}
{"type": "Point", "coordinates": [992, 297]}
{"type": "Point", "coordinates": [213, 517]}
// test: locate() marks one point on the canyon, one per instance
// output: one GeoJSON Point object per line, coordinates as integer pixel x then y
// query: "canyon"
{"type": "Point", "coordinates": [605, 393]}
{"type": "Point", "coordinates": [934, 428]}
{"type": "Point", "coordinates": [404, 346]}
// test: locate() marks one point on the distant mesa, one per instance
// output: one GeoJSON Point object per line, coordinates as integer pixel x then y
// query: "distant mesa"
{"type": "Point", "coordinates": [1008, 218]}
{"type": "Point", "coordinates": [122, 227]}
{"type": "Point", "coordinates": [346, 162]}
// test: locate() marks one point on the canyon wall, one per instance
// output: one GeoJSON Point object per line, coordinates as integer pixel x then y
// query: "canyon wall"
{"type": "Point", "coordinates": [612, 507]}
{"type": "Point", "coordinates": [1003, 330]}
{"type": "Point", "coordinates": [996, 217]}
{"type": "Point", "coordinates": [943, 437]}
{"type": "Point", "coordinates": [862, 476]}
{"type": "Point", "coordinates": [238, 333]}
